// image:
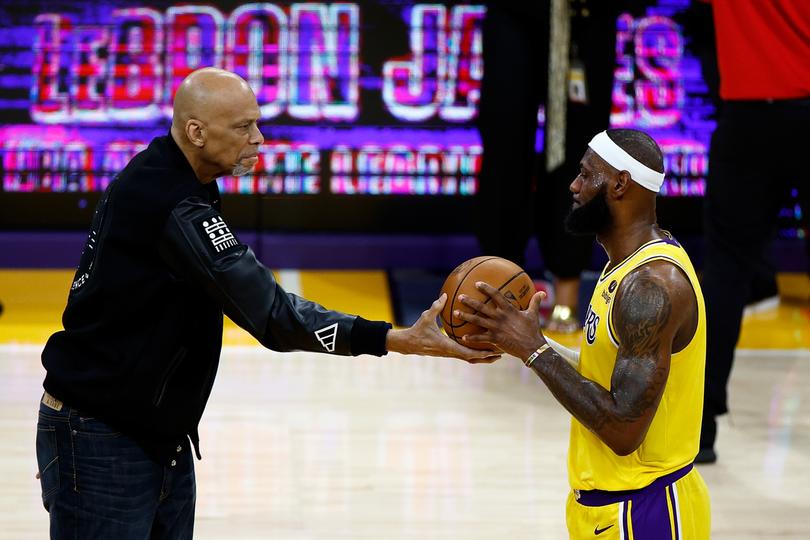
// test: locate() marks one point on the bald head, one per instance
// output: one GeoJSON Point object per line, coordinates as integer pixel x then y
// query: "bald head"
{"type": "Point", "coordinates": [206, 92]}
{"type": "Point", "coordinates": [215, 123]}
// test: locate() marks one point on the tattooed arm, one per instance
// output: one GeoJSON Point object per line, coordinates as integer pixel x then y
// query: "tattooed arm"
{"type": "Point", "coordinates": [655, 308]}
{"type": "Point", "coordinates": [651, 306]}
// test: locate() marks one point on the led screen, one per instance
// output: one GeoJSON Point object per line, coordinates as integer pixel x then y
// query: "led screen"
{"type": "Point", "coordinates": [356, 98]}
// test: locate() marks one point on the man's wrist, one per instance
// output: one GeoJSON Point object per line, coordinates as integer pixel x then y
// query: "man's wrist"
{"type": "Point", "coordinates": [393, 340]}
{"type": "Point", "coordinates": [529, 348]}
{"type": "Point", "coordinates": [534, 355]}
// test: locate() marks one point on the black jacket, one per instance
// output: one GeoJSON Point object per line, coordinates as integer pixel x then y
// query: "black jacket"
{"type": "Point", "coordinates": [143, 322]}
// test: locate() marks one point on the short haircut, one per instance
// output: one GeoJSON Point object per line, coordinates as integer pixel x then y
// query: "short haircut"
{"type": "Point", "coordinates": [639, 145]}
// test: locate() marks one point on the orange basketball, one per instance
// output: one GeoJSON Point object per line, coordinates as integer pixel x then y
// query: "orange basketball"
{"type": "Point", "coordinates": [504, 275]}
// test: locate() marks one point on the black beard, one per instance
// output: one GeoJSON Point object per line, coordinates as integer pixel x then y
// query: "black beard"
{"type": "Point", "coordinates": [593, 217]}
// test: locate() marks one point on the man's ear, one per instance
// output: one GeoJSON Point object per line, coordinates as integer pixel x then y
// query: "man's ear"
{"type": "Point", "coordinates": [621, 184]}
{"type": "Point", "coordinates": [195, 131]}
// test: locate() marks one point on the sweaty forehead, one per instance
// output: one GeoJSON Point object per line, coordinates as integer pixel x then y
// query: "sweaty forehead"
{"type": "Point", "coordinates": [594, 162]}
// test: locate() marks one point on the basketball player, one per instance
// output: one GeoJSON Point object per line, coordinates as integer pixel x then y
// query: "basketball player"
{"type": "Point", "coordinates": [129, 377]}
{"type": "Point", "coordinates": [637, 390]}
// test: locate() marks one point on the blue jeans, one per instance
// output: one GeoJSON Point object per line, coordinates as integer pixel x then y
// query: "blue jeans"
{"type": "Point", "coordinates": [98, 483]}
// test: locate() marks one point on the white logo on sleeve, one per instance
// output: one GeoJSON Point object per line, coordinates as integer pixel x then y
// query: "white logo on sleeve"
{"type": "Point", "coordinates": [219, 234]}
{"type": "Point", "coordinates": [327, 336]}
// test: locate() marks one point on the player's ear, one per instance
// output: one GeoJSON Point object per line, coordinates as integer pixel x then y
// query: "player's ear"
{"type": "Point", "coordinates": [621, 184]}
{"type": "Point", "coordinates": [195, 131]}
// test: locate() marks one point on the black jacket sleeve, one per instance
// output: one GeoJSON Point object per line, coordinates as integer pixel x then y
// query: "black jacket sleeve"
{"type": "Point", "coordinates": [198, 246]}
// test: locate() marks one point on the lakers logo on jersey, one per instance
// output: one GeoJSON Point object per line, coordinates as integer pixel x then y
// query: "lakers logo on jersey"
{"type": "Point", "coordinates": [591, 322]}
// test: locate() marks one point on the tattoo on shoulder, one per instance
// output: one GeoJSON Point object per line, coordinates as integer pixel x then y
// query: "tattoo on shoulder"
{"type": "Point", "coordinates": [643, 312]}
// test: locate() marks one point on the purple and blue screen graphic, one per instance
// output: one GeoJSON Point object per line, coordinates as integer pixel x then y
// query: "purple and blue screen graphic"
{"type": "Point", "coordinates": [367, 98]}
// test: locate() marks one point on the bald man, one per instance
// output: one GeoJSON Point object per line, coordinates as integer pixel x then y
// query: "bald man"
{"type": "Point", "coordinates": [128, 378]}
{"type": "Point", "coordinates": [635, 391]}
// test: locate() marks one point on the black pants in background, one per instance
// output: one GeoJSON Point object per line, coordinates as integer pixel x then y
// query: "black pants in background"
{"type": "Point", "coordinates": [514, 84]}
{"type": "Point", "coordinates": [757, 155]}
{"type": "Point", "coordinates": [594, 37]}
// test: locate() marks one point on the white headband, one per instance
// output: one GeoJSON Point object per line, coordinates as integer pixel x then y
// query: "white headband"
{"type": "Point", "coordinates": [621, 160]}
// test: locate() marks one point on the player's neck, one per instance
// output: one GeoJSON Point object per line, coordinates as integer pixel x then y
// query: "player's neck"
{"type": "Point", "coordinates": [624, 238]}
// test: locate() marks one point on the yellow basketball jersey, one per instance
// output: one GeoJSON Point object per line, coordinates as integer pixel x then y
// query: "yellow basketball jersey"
{"type": "Point", "coordinates": [674, 435]}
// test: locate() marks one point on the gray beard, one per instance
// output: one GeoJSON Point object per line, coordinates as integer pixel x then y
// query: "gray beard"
{"type": "Point", "coordinates": [241, 170]}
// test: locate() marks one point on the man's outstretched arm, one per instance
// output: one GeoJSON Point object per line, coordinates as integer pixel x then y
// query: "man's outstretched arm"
{"type": "Point", "coordinates": [249, 294]}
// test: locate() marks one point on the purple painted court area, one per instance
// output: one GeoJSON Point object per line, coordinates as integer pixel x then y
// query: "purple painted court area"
{"type": "Point", "coordinates": [301, 251]}
{"type": "Point", "coordinates": [43, 249]}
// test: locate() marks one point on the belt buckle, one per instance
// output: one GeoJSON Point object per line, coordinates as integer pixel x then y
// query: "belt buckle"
{"type": "Point", "coordinates": [51, 402]}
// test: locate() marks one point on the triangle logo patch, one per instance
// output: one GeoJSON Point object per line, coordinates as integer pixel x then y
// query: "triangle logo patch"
{"type": "Point", "coordinates": [328, 336]}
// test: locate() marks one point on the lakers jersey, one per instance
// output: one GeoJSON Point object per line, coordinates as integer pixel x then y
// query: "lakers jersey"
{"type": "Point", "coordinates": [673, 437]}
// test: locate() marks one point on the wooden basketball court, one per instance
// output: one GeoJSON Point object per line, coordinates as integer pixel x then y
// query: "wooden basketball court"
{"type": "Point", "coordinates": [310, 446]}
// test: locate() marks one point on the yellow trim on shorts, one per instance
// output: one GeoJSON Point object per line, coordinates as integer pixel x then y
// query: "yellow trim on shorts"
{"type": "Point", "coordinates": [670, 511]}
{"type": "Point", "coordinates": [630, 519]}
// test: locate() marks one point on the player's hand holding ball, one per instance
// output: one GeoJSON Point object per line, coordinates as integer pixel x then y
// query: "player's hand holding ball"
{"type": "Point", "coordinates": [494, 305]}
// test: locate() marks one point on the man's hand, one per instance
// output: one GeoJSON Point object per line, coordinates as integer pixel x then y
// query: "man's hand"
{"type": "Point", "coordinates": [425, 338]}
{"type": "Point", "coordinates": [507, 328]}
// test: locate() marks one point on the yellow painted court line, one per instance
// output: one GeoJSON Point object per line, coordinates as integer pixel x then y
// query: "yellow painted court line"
{"type": "Point", "coordinates": [794, 286]}
{"type": "Point", "coordinates": [784, 327]}
{"type": "Point", "coordinates": [359, 292]}
{"type": "Point", "coordinates": [34, 300]}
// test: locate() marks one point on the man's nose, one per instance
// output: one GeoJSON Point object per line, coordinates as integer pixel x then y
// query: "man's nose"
{"type": "Point", "coordinates": [256, 136]}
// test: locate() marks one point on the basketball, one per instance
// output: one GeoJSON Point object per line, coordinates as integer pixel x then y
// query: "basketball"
{"type": "Point", "coordinates": [510, 279]}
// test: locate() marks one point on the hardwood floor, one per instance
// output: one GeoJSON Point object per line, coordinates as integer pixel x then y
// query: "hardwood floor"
{"type": "Point", "coordinates": [305, 446]}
